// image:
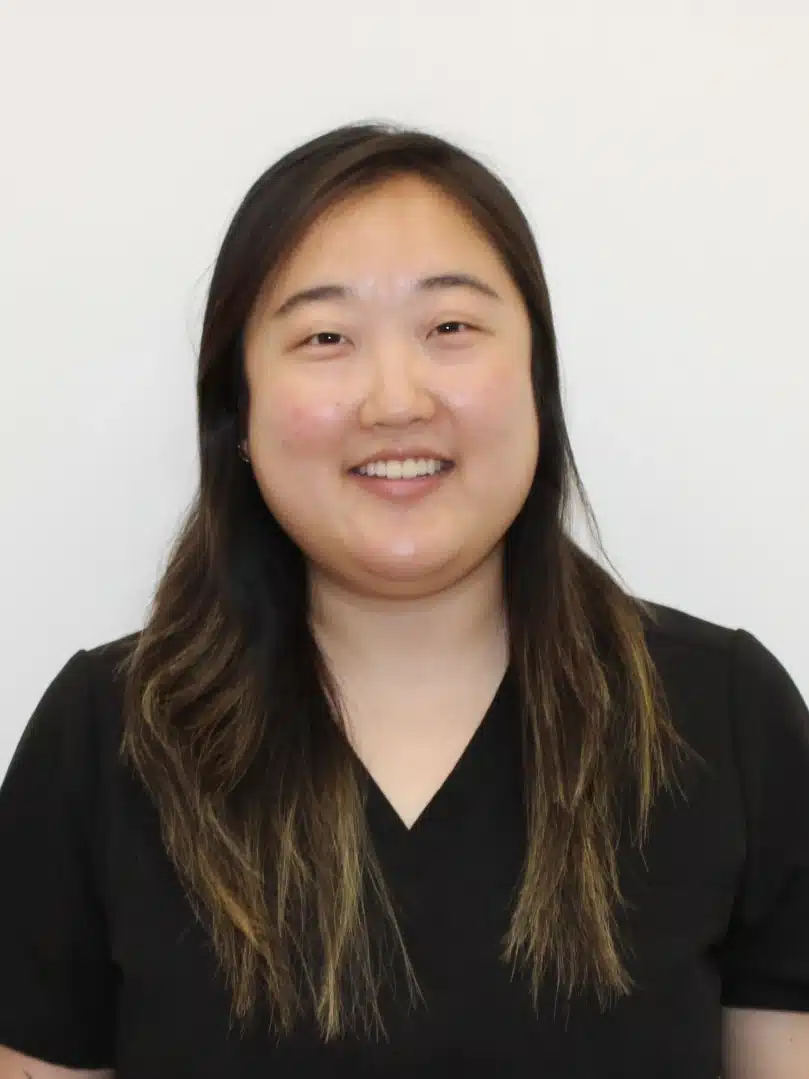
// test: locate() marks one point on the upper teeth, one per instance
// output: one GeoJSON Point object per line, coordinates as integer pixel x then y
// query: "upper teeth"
{"type": "Point", "coordinates": [402, 470]}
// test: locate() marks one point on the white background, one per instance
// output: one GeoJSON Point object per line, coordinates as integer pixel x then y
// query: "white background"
{"type": "Point", "coordinates": [661, 151]}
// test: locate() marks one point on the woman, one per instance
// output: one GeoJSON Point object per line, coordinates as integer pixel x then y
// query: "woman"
{"type": "Point", "coordinates": [397, 780]}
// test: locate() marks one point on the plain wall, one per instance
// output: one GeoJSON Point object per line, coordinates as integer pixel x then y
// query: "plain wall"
{"type": "Point", "coordinates": [660, 151]}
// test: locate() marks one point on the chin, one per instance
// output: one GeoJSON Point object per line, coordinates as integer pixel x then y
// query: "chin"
{"type": "Point", "coordinates": [403, 576]}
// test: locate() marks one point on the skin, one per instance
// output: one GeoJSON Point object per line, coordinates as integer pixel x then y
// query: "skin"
{"type": "Point", "coordinates": [406, 597]}
{"type": "Point", "coordinates": [17, 1066]}
{"type": "Point", "coordinates": [765, 1045]}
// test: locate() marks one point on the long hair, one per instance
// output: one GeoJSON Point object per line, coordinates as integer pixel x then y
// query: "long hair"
{"type": "Point", "coordinates": [231, 717]}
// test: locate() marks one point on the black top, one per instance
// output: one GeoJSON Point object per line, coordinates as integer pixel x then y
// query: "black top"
{"type": "Point", "coordinates": [103, 964]}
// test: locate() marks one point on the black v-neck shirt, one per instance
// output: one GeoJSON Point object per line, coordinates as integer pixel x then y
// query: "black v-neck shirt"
{"type": "Point", "coordinates": [103, 964]}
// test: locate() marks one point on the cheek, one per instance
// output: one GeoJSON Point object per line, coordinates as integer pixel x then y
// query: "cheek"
{"type": "Point", "coordinates": [297, 420]}
{"type": "Point", "coordinates": [499, 411]}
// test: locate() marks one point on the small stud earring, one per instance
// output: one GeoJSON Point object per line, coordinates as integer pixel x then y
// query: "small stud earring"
{"type": "Point", "coordinates": [243, 451]}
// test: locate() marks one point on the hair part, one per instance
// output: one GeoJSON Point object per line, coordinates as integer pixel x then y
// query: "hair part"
{"type": "Point", "coordinates": [232, 719]}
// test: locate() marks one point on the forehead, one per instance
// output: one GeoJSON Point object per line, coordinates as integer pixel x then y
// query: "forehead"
{"type": "Point", "coordinates": [403, 228]}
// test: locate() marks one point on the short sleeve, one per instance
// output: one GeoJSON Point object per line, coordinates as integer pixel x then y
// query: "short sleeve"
{"type": "Point", "coordinates": [765, 956]}
{"type": "Point", "coordinates": [57, 996]}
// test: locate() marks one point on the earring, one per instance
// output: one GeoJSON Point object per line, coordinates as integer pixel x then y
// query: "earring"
{"type": "Point", "coordinates": [243, 451]}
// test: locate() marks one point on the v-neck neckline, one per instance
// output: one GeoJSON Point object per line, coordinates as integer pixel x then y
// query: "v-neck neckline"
{"type": "Point", "coordinates": [387, 819]}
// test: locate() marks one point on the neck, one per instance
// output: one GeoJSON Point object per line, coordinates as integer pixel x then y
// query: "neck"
{"type": "Point", "coordinates": [412, 638]}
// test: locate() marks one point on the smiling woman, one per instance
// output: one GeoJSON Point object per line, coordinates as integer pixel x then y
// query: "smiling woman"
{"type": "Point", "coordinates": [389, 389]}
{"type": "Point", "coordinates": [397, 777]}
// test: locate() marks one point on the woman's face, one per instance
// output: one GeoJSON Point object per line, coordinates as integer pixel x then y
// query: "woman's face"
{"type": "Point", "coordinates": [392, 360]}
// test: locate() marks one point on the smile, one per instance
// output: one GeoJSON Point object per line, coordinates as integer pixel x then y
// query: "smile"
{"type": "Point", "coordinates": [408, 469]}
{"type": "Point", "coordinates": [403, 483]}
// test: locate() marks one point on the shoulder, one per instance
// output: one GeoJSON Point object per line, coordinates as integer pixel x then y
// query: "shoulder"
{"type": "Point", "coordinates": [99, 696]}
{"type": "Point", "coordinates": [692, 651]}
{"type": "Point", "coordinates": [78, 717]}
{"type": "Point", "coordinates": [721, 680]}
{"type": "Point", "coordinates": [103, 661]}
{"type": "Point", "coordinates": [102, 671]}
{"type": "Point", "coordinates": [670, 630]}
{"type": "Point", "coordinates": [693, 658]}
{"type": "Point", "coordinates": [91, 673]}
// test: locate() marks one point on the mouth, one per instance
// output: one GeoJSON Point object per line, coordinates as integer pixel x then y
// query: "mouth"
{"type": "Point", "coordinates": [408, 469]}
{"type": "Point", "coordinates": [403, 482]}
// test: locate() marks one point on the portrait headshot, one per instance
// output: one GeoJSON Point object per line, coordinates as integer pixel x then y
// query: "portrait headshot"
{"type": "Point", "coordinates": [405, 509]}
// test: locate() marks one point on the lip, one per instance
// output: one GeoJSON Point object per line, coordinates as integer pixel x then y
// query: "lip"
{"type": "Point", "coordinates": [403, 492]}
{"type": "Point", "coordinates": [416, 453]}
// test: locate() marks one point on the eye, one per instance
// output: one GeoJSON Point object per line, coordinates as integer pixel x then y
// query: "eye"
{"type": "Point", "coordinates": [321, 338]}
{"type": "Point", "coordinates": [453, 331]}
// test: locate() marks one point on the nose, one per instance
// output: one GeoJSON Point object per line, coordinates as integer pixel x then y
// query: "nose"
{"type": "Point", "coordinates": [397, 394]}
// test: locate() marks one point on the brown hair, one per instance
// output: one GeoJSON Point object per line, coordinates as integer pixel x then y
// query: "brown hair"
{"type": "Point", "coordinates": [230, 711]}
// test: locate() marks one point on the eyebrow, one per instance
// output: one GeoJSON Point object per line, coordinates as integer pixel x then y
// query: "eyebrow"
{"type": "Point", "coordinates": [343, 292]}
